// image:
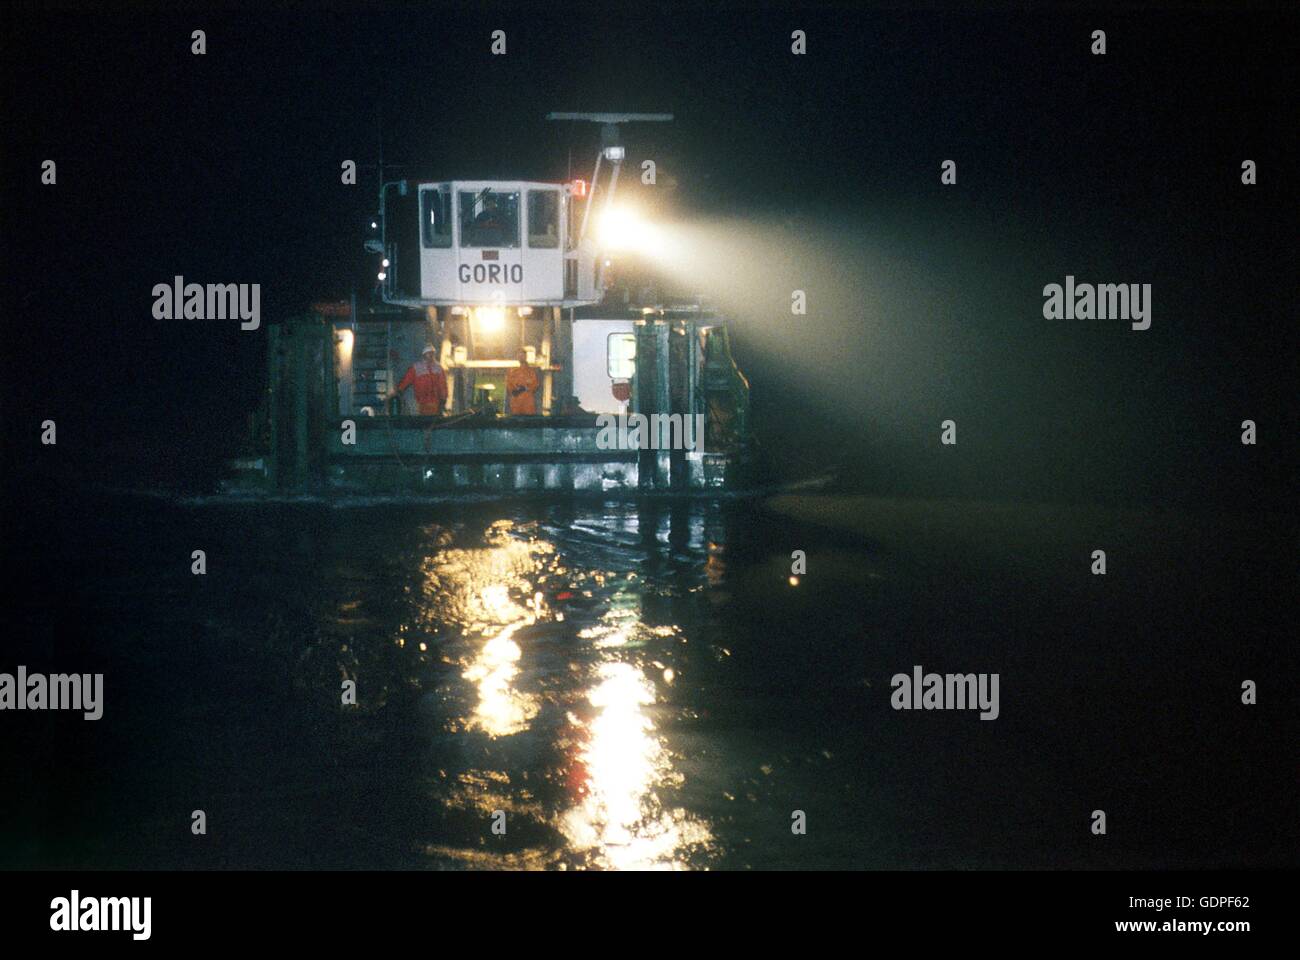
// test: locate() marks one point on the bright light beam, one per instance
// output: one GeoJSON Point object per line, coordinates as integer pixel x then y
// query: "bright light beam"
{"type": "Point", "coordinates": [621, 230]}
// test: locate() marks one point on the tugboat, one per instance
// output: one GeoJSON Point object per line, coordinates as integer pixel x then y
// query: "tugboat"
{"type": "Point", "coordinates": [627, 388]}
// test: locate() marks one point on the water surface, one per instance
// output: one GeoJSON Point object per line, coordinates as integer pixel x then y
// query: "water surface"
{"type": "Point", "coordinates": [633, 685]}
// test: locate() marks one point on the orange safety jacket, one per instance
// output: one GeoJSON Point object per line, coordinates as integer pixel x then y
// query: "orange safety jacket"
{"type": "Point", "coordinates": [430, 386]}
{"type": "Point", "coordinates": [521, 388]}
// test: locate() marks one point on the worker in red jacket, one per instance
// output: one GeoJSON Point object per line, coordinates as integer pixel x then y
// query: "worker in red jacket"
{"type": "Point", "coordinates": [429, 381]}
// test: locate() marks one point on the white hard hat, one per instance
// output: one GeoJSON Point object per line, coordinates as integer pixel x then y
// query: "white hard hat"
{"type": "Point", "coordinates": [428, 348]}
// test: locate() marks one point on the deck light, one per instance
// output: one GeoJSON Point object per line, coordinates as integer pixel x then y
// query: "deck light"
{"type": "Point", "coordinates": [489, 319]}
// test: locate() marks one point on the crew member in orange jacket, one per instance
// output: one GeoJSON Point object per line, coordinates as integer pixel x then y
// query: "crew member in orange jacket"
{"type": "Point", "coordinates": [521, 387]}
{"type": "Point", "coordinates": [429, 381]}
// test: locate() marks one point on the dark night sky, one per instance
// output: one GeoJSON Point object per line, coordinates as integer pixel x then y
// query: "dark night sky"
{"type": "Point", "coordinates": [1123, 168]}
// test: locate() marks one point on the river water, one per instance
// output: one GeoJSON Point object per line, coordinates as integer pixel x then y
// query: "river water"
{"type": "Point", "coordinates": [612, 685]}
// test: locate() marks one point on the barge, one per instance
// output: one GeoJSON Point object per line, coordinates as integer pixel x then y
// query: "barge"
{"type": "Point", "coordinates": [554, 371]}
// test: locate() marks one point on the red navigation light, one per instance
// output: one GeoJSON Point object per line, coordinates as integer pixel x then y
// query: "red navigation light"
{"type": "Point", "coordinates": [579, 188]}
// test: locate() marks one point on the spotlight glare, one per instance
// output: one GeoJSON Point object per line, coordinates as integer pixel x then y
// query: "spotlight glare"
{"type": "Point", "coordinates": [489, 319]}
{"type": "Point", "coordinates": [622, 230]}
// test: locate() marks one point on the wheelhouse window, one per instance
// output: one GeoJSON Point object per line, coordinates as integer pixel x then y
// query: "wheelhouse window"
{"type": "Point", "coordinates": [544, 218]}
{"type": "Point", "coordinates": [435, 218]}
{"type": "Point", "coordinates": [489, 218]}
{"type": "Point", "coordinates": [620, 351]}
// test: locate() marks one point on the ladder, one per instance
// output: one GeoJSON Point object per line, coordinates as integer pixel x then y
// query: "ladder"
{"type": "Point", "coordinates": [371, 370]}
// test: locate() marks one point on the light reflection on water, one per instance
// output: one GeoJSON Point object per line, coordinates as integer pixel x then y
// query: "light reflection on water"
{"type": "Point", "coordinates": [556, 676]}
{"type": "Point", "coordinates": [621, 819]}
{"type": "Point", "coordinates": [502, 710]}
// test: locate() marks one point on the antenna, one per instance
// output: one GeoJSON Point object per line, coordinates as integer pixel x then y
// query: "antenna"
{"type": "Point", "coordinates": [609, 122]}
{"type": "Point", "coordinates": [381, 166]}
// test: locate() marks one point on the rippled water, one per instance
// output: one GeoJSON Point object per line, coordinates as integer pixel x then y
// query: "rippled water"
{"type": "Point", "coordinates": [543, 657]}
{"type": "Point", "coordinates": [566, 665]}
{"type": "Point", "coordinates": [632, 684]}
